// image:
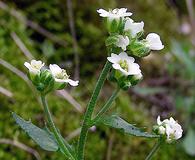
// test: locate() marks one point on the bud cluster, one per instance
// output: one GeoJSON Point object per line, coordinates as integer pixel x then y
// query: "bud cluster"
{"type": "Point", "coordinates": [169, 129]}
{"type": "Point", "coordinates": [126, 34]}
{"type": "Point", "coordinates": [125, 38]}
{"type": "Point", "coordinates": [50, 79]}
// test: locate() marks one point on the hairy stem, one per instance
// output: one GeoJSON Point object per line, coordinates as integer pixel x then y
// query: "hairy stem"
{"type": "Point", "coordinates": [62, 143]}
{"type": "Point", "coordinates": [106, 106]}
{"type": "Point", "coordinates": [154, 150]}
{"type": "Point", "coordinates": [90, 108]}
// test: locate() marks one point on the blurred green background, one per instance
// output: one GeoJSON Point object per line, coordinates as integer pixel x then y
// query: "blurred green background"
{"type": "Point", "coordinates": [71, 34]}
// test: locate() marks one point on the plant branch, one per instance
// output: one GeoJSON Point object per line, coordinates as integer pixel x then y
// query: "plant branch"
{"type": "Point", "coordinates": [154, 150]}
{"type": "Point", "coordinates": [62, 143]}
{"type": "Point", "coordinates": [90, 109]}
{"type": "Point", "coordinates": [29, 56]}
{"type": "Point", "coordinates": [106, 106]}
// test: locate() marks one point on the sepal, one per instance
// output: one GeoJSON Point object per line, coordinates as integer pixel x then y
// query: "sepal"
{"type": "Point", "coordinates": [139, 48]}
{"type": "Point", "coordinates": [124, 82]}
{"type": "Point", "coordinates": [115, 25]}
{"type": "Point", "coordinates": [46, 82]}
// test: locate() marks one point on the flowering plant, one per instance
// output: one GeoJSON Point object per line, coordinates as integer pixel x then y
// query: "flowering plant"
{"type": "Point", "coordinates": [124, 43]}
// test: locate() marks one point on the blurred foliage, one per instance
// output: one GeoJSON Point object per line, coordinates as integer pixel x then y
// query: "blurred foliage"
{"type": "Point", "coordinates": [178, 64]}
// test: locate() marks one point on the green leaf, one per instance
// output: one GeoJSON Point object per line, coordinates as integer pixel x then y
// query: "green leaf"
{"type": "Point", "coordinates": [189, 142]}
{"type": "Point", "coordinates": [115, 121]}
{"type": "Point", "coordinates": [40, 136]}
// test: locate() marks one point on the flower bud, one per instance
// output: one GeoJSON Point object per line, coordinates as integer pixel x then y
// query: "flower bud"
{"type": "Point", "coordinates": [46, 81]}
{"type": "Point", "coordinates": [153, 42]}
{"type": "Point", "coordinates": [139, 48]}
{"type": "Point", "coordinates": [161, 130]}
{"type": "Point", "coordinates": [114, 25]}
{"type": "Point", "coordinates": [124, 83]}
{"type": "Point", "coordinates": [34, 68]}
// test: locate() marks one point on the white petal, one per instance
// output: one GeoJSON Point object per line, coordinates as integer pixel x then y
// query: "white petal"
{"type": "Point", "coordinates": [172, 121]}
{"type": "Point", "coordinates": [154, 41]}
{"type": "Point", "coordinates": [178, 133]}
{"type": "Point", "coordinates": [124, 71]}
{"type": "Point", "coordinates": [162, 130]}
{"type": "Point", "coordinates": [138, 76]}
{"type": "Point", "coordinates": [123, 12]}
{"type": "Point", "coordinates": [123, 42]}
{"type": "Point", "coordinates": [134, 28]}
{"type": "Point", "coordinates": [36, 63]}
{"type": "Point", "coordinates": [133, 69]}
{"type": "Point", "coordinates": [60, 80]}
{"type": "Point", "coordinates": [127, 14]}
{"type": "Point", "coordinates": [123, 55]}
{"type": "Point", "coordinates": [169, 130]}
{"type": "Point", "coordinates": [27, 65]}
{"type": "Point", "coordinates": [103, 13]}
{"type": "Point", "coordinates": [159, 121]}
{"type": "Point", "coordinates": [116, 66]}
{"type": "Point", "coordinates": [72, 83]}
{"type": "Point", "coordinates": [55, 69]}
{"type": "Point", "coordinates": [115, 13]}
{"type": "Point", "coordinates": [114, 58]}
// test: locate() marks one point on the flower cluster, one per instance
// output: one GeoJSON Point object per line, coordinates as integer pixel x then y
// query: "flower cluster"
{"type": "Point", "coordinates": [47, 79]}
{"type": "Point", "coordinates": [125, 38]}
{"type": "Point", "coordinates": [168, 128]}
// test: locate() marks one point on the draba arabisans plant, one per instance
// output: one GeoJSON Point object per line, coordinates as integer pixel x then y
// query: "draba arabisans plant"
{"type": "Point", "coordinates": [124, 42]}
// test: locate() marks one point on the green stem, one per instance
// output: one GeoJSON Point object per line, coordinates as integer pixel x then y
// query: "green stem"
{"type": "Point", "coordinates": [89, 111]}
{"type": "Point", "coordinates": [106, 106]}
{"type": "Point", "coordinates": [62, 143]}
{"type": "Point", "coordinates": [154, 150]}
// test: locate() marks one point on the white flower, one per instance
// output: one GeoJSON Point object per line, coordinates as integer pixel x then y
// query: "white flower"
{"type": "Point", "coordinates": [133, 27]}
{"type": "Point", "coordinates": [123, 42]}
{"type": "Point", "coordinates": [153, 41]}
{"type": "Point", "coordinates": [61, 76]}
{"type": "Point", "coordinates": [34, 66]}
{"type": "Point", "coordinates": [171, 128]}
{"type": "Point", "coordinates": [124, 64]}
{"type": "Point", "coordinates": [115, 13]}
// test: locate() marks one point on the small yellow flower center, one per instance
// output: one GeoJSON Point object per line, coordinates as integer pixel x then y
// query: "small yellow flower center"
{"type": "Point", "coordinates": [123, 64]}
{"type": "Point", "coordinates": [35, 66]}
{"type": "Point", "coordinates": [62, 75]}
